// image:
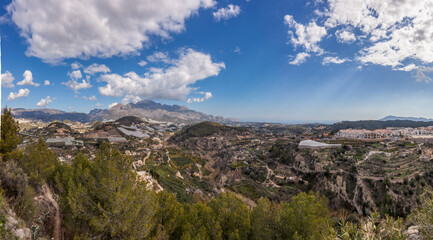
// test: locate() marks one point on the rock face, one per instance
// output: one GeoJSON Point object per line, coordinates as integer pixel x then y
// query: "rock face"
{"type": "Point", "coordinates": [413, 233]}
{"type": "Point", "coordinates": [144, 109]}
{"type": "Point", "coordinates": [17, 227]}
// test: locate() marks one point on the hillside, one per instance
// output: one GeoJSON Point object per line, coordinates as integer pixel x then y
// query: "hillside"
{"type": "Point", "coordinates": [206, 129]}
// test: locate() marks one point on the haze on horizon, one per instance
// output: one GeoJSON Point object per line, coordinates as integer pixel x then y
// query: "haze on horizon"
{"type": "Point", "coordinates": [279, 61]}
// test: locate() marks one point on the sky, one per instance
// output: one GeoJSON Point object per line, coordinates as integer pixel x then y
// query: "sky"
{"type": "Point", "coordinates": [275, 60]}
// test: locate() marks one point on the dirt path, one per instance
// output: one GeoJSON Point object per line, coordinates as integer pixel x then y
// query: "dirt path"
{"type": "Point", "coordinates": [145, 158]}
{"type": "Point", "coordinates": [369, 155]}
{"type": "Point", "coordinates": [57, 228]}
{"type": "Point", "coordinates": [268, 177]}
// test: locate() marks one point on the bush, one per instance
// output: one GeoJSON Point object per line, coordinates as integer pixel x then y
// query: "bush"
{"type": "Point", "coordinates": [13, 179]}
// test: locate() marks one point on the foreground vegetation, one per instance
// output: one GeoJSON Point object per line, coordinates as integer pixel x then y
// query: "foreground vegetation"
{"type": "Point", "coordinates": [103, 198]}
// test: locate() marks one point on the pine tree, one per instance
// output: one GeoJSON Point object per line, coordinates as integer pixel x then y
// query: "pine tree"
{"type": "Point", "coordinates": [9, 134]}
{"type": "Point", "coordinates": [266, 221]}
{"type": "Point", "coordinates": [106, 201]}
{"type": "Point", "coordinates": [233, 215]}
{"type": "Point", "coordinates": [38, 161]}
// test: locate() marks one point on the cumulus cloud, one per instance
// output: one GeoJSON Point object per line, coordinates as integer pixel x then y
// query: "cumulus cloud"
{"type": "Point", "coordinates": [345, 36]}
{"type": "Point", "coordinates": [300, 58]}
{"type": "Point", "coordinates": [112, 105]}
{"type": "Point", "coordinates": [226, 13]}
{"type": "Point", "coordinates": [172, 82]}
{"type": "Point", "coordinates": [97, 28]}
{"type": "Point", "coordinates": [92, 98]}
{"type": "Point", "coordinates": [47, 83]}
{"type": "Point", "coordinates": [389, 32]}
{"type": "Point", "coordinates": [142, 63]}
{"type": "Point", "coordinates": [75, 74]}
{"type": "Point", "coordinates": [76, 65]}
{"type": "Point", "coordinates": [159, 57]}
{"type": "Point", "coordinates": [131, 98]}
{"type": "Point", "coordinates": [7, 79]}
{"type": "Point", "coordinates": [334, 60]}
{"type": "Point", "coordinates": [206, 96]}
{"type": "Point", "coordinates": [306, 36]}
{"type": "Point", "coordinates": [28, 79]}
{"type": "Point", "coordinates": [96, 68]}
{"type": "Point", "coordinates": [21, 93]}
{"type": "Point", "coordinates": [99, 105]}
{"type": "Point", "coordinates": [407, 68]}
{"type": "Point", "coordinates": [75, 83]}
{"type": "Point", "coordinates": [396, 31]}
{"type": "Point", "coordinates": [44, 101]}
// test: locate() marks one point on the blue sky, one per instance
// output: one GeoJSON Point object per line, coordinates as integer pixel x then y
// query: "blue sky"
{"type": "Point", "coordinates": [279, 61]}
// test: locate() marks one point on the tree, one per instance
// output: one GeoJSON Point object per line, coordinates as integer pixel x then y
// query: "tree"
{"type": "Point", "coordinates": [423, 216]}
{"type": "Point", "coordinates": [233, 215]}
{"type": "Point", "coordinates": [266, 220]}
{"type": "Point", "coordinates": [9, 134]}
{"type": "Point", "coordinates": [38, 161]}
{"type": "Point", "coordinates": [105, 199]}
{"type": "Point", "coordinates": [200, 223]}
{"type": "Point", "coordinates": [306, 216]}
{"type": "Point", "coordinates": [168, 217]}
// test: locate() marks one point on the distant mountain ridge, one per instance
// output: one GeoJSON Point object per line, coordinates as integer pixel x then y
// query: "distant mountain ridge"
{"type": "Point", "coordinates": [145, 109]}
{"type": "Point", "coordinates": [415, 119]}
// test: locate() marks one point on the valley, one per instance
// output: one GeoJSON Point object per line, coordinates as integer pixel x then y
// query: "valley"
{"type": "Point", "coordinates": [201, 160]}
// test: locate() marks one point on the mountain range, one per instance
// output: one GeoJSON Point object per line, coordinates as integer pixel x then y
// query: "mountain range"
{"type": "Point", "coordinates": [145, 109]}
{"type": "Point", "coordinates": [415, 119]}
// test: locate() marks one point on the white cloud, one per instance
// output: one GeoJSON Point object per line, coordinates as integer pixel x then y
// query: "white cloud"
{"type": "Point", "coordinates": [206, 96]}
{"type": "Point", "coordinates": [47, 83]}
{"type": "Point", "coordinates": [407, 68]}
{"type": "Point", "coordinates": [421, 76]}
{"type": "Point", "coordinates": [97, 28]}
{"type": "Point", "coordinates": [300, 58]}
{"type": "Point", "coordinates": [96, 68]}
{"type": "Point", "coordinates": [28, 79]}
{"type": "Point", "coordinates": [131, 98]}
{"type": "Point", "coordinates": [142, 63]}
{"type": "Point", "coordinates": [75, 74]}
{"type": "Point", "coordinates": [76, 83]}
{"type": "Point", "coordinates": [76, 65]}
{"type": "Point", "coordinates": [334, 60]}
{"type": "Point", "coordinates": [159, 57]}
{"type": "Point", "coordinates": [394, 33]}
{"type": "Point", "coordinates": [345, 36]}
{"type": "Point", "coordinates": [112, 105]}
{"type": "Point", "coordinates": [92, 98]}
{"type": "Point", "coordinates": [44, 102]}
{"type": "Point", "coordinates": [21, 93]}
{"type": "Point", "coordinates": [237, 50]}
{"type": "Point", "coordinates": [7, 79]}
{"type": "Point", "coordinates": [173, 82]}
{"type": "Point", "coordinates": [99, 105]}
{"type": "Point", "coordinates": [307, 36]}
{"type": "Point", "coordinates": [393, 30]}
{"type": "Point", "coordinates": [226, 13]}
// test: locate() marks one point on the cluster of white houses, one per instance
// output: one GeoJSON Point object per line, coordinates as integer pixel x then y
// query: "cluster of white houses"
{"type": "Point", "coordinates": [385, 133]}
